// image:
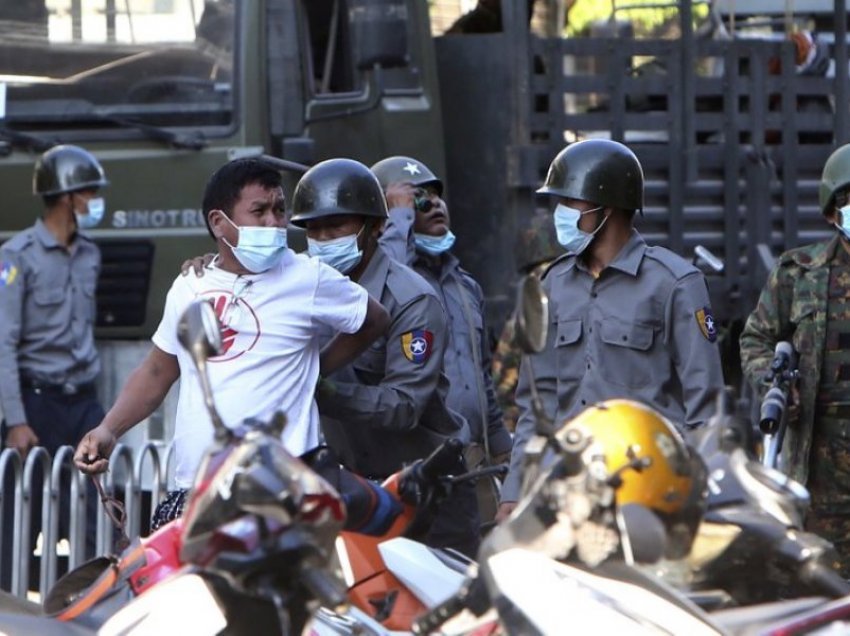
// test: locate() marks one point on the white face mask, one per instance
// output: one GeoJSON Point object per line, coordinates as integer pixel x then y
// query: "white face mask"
{"type": "Point", "coordinates": [843, 224]}
{"type": "Point", "coordinates": [96, 208]}
{"type": "Point", "coordinates": [343, 253]}
{"type": "Point", "coordinates": [258, 248]}
{"type": "Point", "coordinates": [434, 245]}
{"type": "Point", "coordinates": [573, 239]}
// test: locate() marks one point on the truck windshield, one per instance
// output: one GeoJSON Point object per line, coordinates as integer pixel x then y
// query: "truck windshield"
{"type": "Point", "coordinates": [100, 63]}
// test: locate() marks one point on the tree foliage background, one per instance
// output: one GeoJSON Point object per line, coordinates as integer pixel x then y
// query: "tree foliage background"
{"type": "Point", "coordinates": [650, 20]}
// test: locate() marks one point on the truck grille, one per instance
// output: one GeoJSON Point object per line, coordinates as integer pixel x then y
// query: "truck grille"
{"type": "Point", "coordinates": [122, 289]}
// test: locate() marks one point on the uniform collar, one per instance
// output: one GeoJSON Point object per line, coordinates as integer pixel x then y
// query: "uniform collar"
{"type": "Point", "coordinates": [441, 264]}
{"type": "Point", "coordinates": [48, 240]}
{"type": "Point", "coordinates": [628, 259]}
{"type": "Point", "coordinates": [828, 253]}
{"type": "Point", "coordinates": [374, 277]}
{"type": "Point", "coordinates": [45, 236]}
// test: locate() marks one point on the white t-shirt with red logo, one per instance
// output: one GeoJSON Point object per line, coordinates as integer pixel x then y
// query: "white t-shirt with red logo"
{"type": "Point", "coordinates": [270, 324]}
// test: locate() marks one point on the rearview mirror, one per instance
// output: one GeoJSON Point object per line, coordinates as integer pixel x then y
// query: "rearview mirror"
{"type": "Point", "coordinates": [199, 333]}
{"type": "Point", "coordinates": [532, 315]}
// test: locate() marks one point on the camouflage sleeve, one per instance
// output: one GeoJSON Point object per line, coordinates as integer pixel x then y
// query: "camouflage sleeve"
{"type": "Point", "coordinates": [506, 361]}
{"type": "Point", "coordinates": [768, 324]}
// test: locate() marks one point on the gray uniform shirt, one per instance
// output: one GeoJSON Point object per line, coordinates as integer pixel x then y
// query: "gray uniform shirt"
{"type": "Point", "coordinates": [642, 330]}
{"type": "Point", "coordinates": [388, 407]}
{"type": "Point", "coordinates": [468, 359]}
{"type": "Point", "coordinates": [47, 301]}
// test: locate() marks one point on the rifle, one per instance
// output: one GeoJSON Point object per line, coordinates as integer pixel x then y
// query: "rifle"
{"type": "Point", "coordinates": [772, 422]}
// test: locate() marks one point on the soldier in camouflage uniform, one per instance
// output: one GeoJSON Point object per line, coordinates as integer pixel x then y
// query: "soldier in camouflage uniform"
{"type": "Point", "coordinates": [536, 247]}
{"type": "Point", "coordinates": [807, 301]}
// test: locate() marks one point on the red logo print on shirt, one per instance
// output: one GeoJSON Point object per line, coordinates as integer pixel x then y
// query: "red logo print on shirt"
{"type": "Point", "coordinates": [228, 334]}
{"type": "Point", "coordinates": [240, 327]}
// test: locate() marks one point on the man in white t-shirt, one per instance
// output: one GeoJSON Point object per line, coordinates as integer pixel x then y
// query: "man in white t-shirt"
{"type": "Point", "coordinates": [272, 304]}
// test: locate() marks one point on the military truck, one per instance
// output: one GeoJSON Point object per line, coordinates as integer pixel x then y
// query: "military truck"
{"type": "Point", "coordinates": [164, 91]}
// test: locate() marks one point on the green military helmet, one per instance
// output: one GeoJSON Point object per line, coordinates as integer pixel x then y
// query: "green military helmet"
{"type": "Point", "coordinates": [337, 186]}
{"type": "Point", "coordinates": [67, 168]}
{"type": "Point", "coordinates": [599, 171]}
{"type": "Point", "coordinates": [835, 177]}
{"type": "Point", "coordinates": [537, 243]}
{"type": "Point", "coordinates": [406, 170]}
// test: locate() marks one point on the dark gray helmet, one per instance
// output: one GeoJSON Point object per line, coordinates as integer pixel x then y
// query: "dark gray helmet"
{"type": "Point", "coordinates": [337, 186]}
{"type": "Point", "coordinates": [67, 169]}
{"type": "Point", "coordinates": [835, 177]}
{"type": "Point", "coordinates": [599, 171]}
{"type": "Point", "coordinates": [405, 170]}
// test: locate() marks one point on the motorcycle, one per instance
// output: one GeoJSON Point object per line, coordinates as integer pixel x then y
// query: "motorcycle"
{"type": "Point", "coordinates": [752, 529]}
{"type": "Point", "coordinates": [390, 577]}
{"type": "Point", "coordinates": [256, 540]}
{"type": "Point", "coordinates": [569, 546]}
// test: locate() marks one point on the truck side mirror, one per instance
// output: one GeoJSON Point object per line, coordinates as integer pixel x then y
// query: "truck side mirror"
{"type": "Point", "coordinates": [379, 33]}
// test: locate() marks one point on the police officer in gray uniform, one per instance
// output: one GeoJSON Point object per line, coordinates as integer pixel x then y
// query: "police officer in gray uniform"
{"type": "Point", "coordinates": [419, 234]}
{"type": "Point", "coordinates": [388, 408]}
{"type": "Point", "coordinates": [627, 320]}
{"type": "Point", "coordinates": [48, 275]}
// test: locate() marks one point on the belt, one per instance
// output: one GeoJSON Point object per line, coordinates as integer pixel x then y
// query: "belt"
{"type": "Point", "coordinates": [66, 389]}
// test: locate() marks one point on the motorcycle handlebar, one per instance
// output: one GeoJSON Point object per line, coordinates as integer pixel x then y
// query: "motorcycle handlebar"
{"type": "Point", "coordinates": [442, 461]}
{"type": "Point", "coordinates": [325, 587]}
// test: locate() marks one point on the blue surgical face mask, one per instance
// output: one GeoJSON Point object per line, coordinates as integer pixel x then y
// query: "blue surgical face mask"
{"type": "Point", "coordinates": [844, 223]}
{"type": "Point", "coordinates": [574, 240]}
{"type": "Point", "coordinates": [258, 248]}
{"type": "Point", "coordinates": [96, 207]}
{"type": "Point", "coordinates": [434, 245]}
{"type": "Point", "coordinates": [343, 253]}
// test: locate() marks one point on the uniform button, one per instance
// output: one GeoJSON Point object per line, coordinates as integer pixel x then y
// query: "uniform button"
{"type": "Point", "coordinates": [625, 338]}
{"type": "Point", "coordinates": [593, 294]}
{"type": "Point", "coordinates": [590, 330]}
{"type": "Point", "coordinates": [588, 365]}
{"type": "Point", "coordinates": [583, 402]}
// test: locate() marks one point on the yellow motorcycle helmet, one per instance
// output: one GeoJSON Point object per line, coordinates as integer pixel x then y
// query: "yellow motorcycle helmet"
{"type": "Point", "coordinates": [672, 480]}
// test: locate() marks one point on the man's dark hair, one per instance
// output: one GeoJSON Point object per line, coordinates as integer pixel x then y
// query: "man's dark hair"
{"type": "Point", "coordinates": [225, 185]}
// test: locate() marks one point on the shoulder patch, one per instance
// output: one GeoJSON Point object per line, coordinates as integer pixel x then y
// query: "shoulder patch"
{"type": "Point", "coordinates": [417, 345]}
{"type": "Point", "coordinates": [674, 263]}
{"type": "Point", "coordinates": [8, 273]}
{"type": "Point", "coordinates": [706, 324]}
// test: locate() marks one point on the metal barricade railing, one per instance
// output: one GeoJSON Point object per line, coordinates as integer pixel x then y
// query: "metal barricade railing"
{"type": "Point", "coordinates": [61, 480]}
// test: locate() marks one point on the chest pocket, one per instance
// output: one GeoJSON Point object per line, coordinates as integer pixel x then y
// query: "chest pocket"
{"type": "Point", "coordinates": [371, 364]}
{"type": "Point", "coordinates": [46, 308]}
{"type": "Point", "coordinates": [624, 354]}
{"type": "Point", "coordinates": [569, 332]}
{"type": "Point", "coordinates": [802, 317]}
{"type": "Point", "coordinates": [570, 359]}
{"type": "Point", "coordinates": [48, 296]}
